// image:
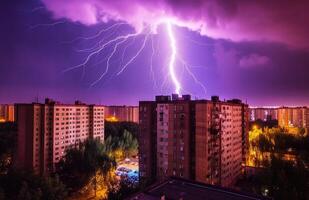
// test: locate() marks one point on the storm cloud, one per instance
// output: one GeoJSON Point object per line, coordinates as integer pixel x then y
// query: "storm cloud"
{"type": "Point", "coordinates": [281, 21]}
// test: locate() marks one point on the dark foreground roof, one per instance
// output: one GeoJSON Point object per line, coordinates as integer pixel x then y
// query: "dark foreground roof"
{"type": "Point", "coordinates": [176, 189]}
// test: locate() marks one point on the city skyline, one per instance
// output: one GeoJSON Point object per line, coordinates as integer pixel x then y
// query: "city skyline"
{"type": "Point", "coordinates": [266, 66]}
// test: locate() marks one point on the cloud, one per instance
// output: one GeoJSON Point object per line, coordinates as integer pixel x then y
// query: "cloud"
{"type": "Point", "coordinates": [253, 60]}
{"type": "Point", "coordinates": [282, 21]}
{"type": "Point", "coordinates": [226, 58]}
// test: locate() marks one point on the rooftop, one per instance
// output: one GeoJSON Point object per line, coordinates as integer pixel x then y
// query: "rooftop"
{"type": "Point", "coordinates": [176, 189]}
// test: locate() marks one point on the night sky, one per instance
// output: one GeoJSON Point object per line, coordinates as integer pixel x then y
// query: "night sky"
{"type": "Point", "coordinates": [253, 50]}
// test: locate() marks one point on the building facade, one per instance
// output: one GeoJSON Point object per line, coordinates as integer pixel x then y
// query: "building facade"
{"type": "Point", "coordinates": [122, 113]}
{"type": "Point", "coordinates": [264, 114]}
{"type": "Point", "coordinates": [202, 140]}
{"type": "Point", "coordinates": [7, 113]}
{"type": "Point", "coordinates": [45, 131]}
{"type": "Point", "coordinates": [286, 116]}
{"type": "Point", "coordinates": [293, 117]}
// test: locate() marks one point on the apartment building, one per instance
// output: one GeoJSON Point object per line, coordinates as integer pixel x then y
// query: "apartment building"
{"type": "Point", "coordinates": [203, 140]}
{"type": "Point", "coordinates": [7, 113]}
{"type": "Point", "coordinates": [46, 130]}
{"type": "Point", "coordinates": [286, 116]}
{"type": "Point", "coordinates": [293, 117]}
{"type": "Point", "coordinates": [264, 114]}
{"type": "Point", "coordinates": [122, 113]}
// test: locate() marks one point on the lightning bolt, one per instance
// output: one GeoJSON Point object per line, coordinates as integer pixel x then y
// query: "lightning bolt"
{"type": "Point", "coordinates": [151, 63]}
{"type": "Point", "coordinates": [187, 67]}
{"type": "Point", "coordinates": [100, 49]}
{"type": "Point", "coordinates": [98, 34]}
{"type": "Point", "coordinates": [124, 41]}
{"type": "Point", "coordinates": [173, 57]}
{"type": "Point", "coordinates": [37, 8]}
{"type": "Point", "coordinates": [135, 56]}
{"type": "Point", "coordinates": [46, 25]}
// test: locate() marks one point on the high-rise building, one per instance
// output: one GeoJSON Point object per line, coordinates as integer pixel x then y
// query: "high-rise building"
{"type": "Point", "coordinates": [264, 114]}
{"type": "Point", "coordinates": [121, 113]}
{"type": "Point", "coordinates": [286, 116]}
{"type": "Point", "coordinates": [203, 140]}
{"type": "Point", "coordinates": [45, 131]}
{"type": "Point", "coordinates": [293, 117]}
{"type": "Point", "coordinates": [7, 113]}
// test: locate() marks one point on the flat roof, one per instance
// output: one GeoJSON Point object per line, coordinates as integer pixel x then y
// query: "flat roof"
{"type": "Point", "coordinates": [175, 189]}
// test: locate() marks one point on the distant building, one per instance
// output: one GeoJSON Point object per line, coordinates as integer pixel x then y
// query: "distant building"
{"type": "Point", "coordinates": [202, 140]}
{"type": "Point", "coordinates": [264, 114]}
{"type": "Point", "coordinates": [293, 117]}
{"type": "Point", "coordinates": [7, 113]}
{"type": "Point", "coordinates": [181, 189]}
{"type": "Point", "coordinates": [286, 116]}
{"type": "Point", "coordinates": [45, 131]}
{"type": "Point", "coordinates": [121, 113]}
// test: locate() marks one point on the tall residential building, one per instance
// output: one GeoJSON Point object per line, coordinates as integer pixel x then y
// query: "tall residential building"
{"type": "Point", "coordinates": [286, 116]}
{"type": "Point", "coordinates": [121, 113]}
{"type": "Point", "coordinates": [202, 140]}
{"type": "Point", "coordinates": [45, 131]}
{"type": "Point", "coordinates": [7, 113]}
{"type": "Point", "coordinates": [293, 117]}
{"type": "Point", "coordinates": [264, 114]}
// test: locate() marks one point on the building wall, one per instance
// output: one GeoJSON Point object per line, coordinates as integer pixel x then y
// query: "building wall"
{"type": "Point", "coordinates": [7, 113]}
{"type": "Point", "coordinates": [307, 118]}
{"type": "Point", "coordinates": [231, 143]}
{"type": "Point", "coordinates": [179, 143]}
{"type": "Point", "coordinates": [245, 132]}
{"type": "Point", "coordinates": [200, 140]}
{"type": "Point", "coordinates": [24, 154]}
{"type": "Point", "coordinates": [122, 113]}
{"type": "Point", "coordinates": [293, 117]}
{"type": "Point", "coordinates": [46, 131]}
{"type": "Point", "coordinates": [147, 141]}
{"type": "Point", "coordinates": [202, 116]}
{"type": "Point", "coordinates": [263, 114]}
{"type": "Point", "coordinates": [219, 142]}
{"type": "Point", "coordinates": [163, 136]}
{"type": "Point", "coordinates": [286, 116]}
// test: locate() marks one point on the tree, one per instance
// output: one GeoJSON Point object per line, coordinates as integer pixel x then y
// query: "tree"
{"type": "Point", "coordinates": [24, 192]}
{"type": "Point", "coordinates": [85, 165]}
{"type": "Point", "coordinates": [8, 133]}
{"type": "Point", "coordinates": [116, 129]}
{"type": "Point", "coordinates": [263, 144]}
{"type": "Point", "coordinates": [125, 188]}
{"type": "Point", "coordinates": [279, 178]}
{"type": "Point", "coordinates": [52, 189]}
{"type": "Point", "coordinates": [128, 143]}
{"type": "Point", "coordinates": [2, 195]}
{"type": "Point", "coordinates": [120, 142]}
{"type": "Point", "coordinates": [284, 179]}
{"type": "Point", "coordinates": [25, 185]}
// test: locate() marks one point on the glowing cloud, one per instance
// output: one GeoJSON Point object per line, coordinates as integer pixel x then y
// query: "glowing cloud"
{"type": "Point", "coordinates": [281, 21]}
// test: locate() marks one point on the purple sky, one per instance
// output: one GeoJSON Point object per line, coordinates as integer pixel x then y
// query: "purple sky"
{"type": "Point", "coordinates": [252, 50]}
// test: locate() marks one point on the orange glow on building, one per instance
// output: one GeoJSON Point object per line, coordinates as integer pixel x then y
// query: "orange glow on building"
{"type": "Point", "coordinates": [7, 113]}
{"type": "Point", "coordinates": [121, 113]}
{"type": "Point", "coordinates": [111, 119]}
